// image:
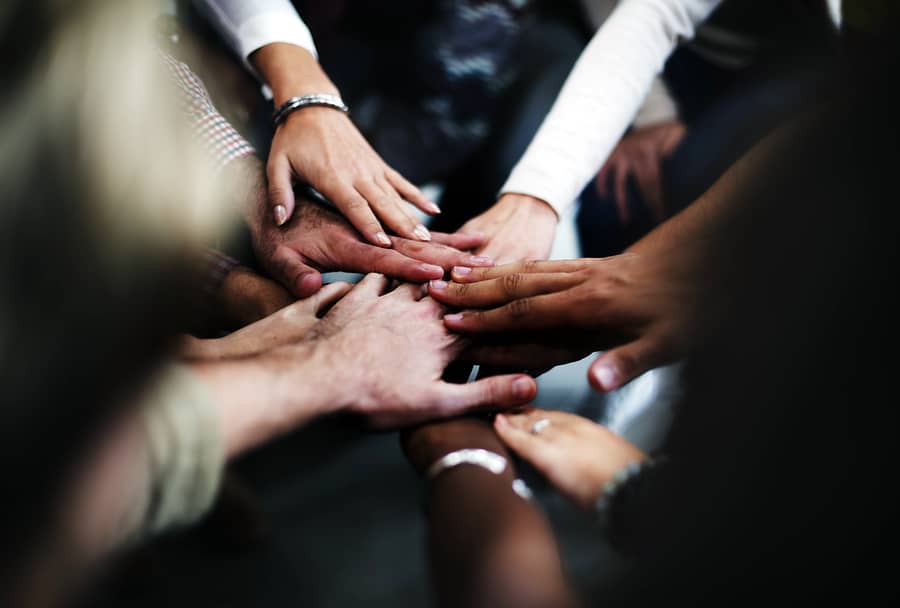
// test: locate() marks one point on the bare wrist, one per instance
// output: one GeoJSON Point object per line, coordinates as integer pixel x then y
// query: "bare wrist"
{"type": "Point", "coordinates": [533, 204]}
{"type": "Point", "coordinates": [291, 70]}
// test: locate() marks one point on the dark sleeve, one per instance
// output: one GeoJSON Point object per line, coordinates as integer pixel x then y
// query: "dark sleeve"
{"type": "Point", "coordinates": [464, 59]}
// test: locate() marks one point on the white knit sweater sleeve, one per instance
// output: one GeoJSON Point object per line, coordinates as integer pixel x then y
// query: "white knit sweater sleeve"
{"type": "Point", "coordinates": [247, 25]}
{"type": "Point", "coordinates": [601, 97]}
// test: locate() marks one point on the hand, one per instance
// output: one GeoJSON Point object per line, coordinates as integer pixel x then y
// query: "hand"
{"type": "Point", "coordinates": [392, 376]}
{"type": "Point", "coordinates": [635, 303]}
{"type": "Point", "coordinates": [322, 147]}
{"type": "Point", "coordinates": [574, 454]}
{"type": "Point", "coordinates": [245, 297]}
{"type": "Point", "coordinates": [318, 240]}
{"type": "Point", "coordinates": [640, 154]}
{"type": "Point", "coordinates": [517, 227]}
{"type": "Point", "coordinates": [288, 325]}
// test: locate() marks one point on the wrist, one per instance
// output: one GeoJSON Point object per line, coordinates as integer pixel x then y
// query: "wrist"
{"type": "Point", "coordinates": [260, 398]}
{"type": "Point", "coordinates": [529, 204]}
{"type": "Point", "coordinates": [427, 444]}
{"type": "Point", "coordinates": [291, 71]}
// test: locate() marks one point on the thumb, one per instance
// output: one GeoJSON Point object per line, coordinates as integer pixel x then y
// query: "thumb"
{"type": "Point", "coordinates": [289, 270]}
{"type": "Point", "coordinates": [326, 297]}
{"type": "Point", "coordinates": [621, 365]}
{"type": "Point", "coordinates": [496, 392]}
{"type": "Point", "coordinates": [281, 189]}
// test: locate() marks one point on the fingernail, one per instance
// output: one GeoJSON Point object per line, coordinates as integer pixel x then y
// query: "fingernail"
{"type": "Point", "coordinates": [432, 269]}
{"type": "Point", "coordinates": [438, 284]}
{"type": "Point", "coordinates": [434, 208]}
{"type": "Point", "coordinates": [606, 376]}
{"type": "Point", "coordinates": [501, 420]}
{"type": "Point", "coordinates": [461, 270]}
{"type": "Point", "coordinates": [382, 238]}
{"type": "Point", "coordinates": [457, 316]}
{"type": "Point", "coordinates": [422, 232]}
{"type": "Point", "coordinates": [521, 388]}
{"type": "Point", "coordinates": [280, 214]}
{"type": "Point", "coordinates": [480, 260]}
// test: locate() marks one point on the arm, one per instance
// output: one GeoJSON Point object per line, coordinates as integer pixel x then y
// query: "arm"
{"type": "Point", "coordinates": [601, 96]}
{"type": "Point", "coordinates": [314, 144]}
{"type": "Point", "coordinates": [487, 546]}
{"type": "Point", "coordinates": [593, 110]}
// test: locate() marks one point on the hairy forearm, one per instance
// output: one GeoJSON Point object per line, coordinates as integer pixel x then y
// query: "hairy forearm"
{"type": "Point", "coordinates": [291, 70]}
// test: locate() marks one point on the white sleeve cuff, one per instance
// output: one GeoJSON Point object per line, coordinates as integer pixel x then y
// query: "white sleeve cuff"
{"type": "Point", "coordinates": [268, 28]}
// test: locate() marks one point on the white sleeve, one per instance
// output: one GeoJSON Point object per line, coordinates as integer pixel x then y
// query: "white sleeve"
{"type": "Point", "coordinates": [248, 25]}
{"type": "Point", "coordinates": [601, 96]}
{"type": "Point", "coordinates": [658, 106]}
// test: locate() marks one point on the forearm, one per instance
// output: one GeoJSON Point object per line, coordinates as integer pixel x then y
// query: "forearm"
{"type": "Point", "coordinates": [488, 546]}
{"type": "Point", "coordinates": [291, 70]}
{"type": "Point", "coordinates": [601, 96]}
{"type": "Point", "coordinates": [713, 212]}
{"type": "Point", "coordinates": [252, 396]}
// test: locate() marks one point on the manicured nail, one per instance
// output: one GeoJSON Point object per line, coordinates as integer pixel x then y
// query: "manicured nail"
{"type": "Point", "coordinates": [521, 388]}
{"type": "Point", "coordinates": [606, 376]}
{"type": "Point", "coordinates": [422, 232]}
{"type": "Point", "coordinates": [432, 269]}
{"type": "Point", "coordinates": [457, 316]}
{"type": "Point", "coordinates": [480, 260]}
{"type": "Point", "coordinates": [461, 270]}
{"type": "Point", "coordinates": [438, 284]}
{"type": "Point", "coordinates": [382, 238]}
{"type": "Point", "coordinates": [434, 208]}
{"type": "Point", "coordinates": [280, 214]}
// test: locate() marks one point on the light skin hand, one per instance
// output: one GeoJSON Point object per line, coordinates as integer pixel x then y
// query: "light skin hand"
{"type": "Point", "coordinates": [285, 326]}
{"type": "Point", "coordinates": [635, 305]}
{"type": "Point", "coordinates": [640, 154]}
{"type": "Point", "coordinates": [518, 227]}
{"type": "Point", "coordinates": [354, 360]}
{"type": "Point", "coordinates": [574, 454]}
{"type": "Point", "coordinates": [318, 240]}
{"type": "Point", "coordinates": [323, 147]}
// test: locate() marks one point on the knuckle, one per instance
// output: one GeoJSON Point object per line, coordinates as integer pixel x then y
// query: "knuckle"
{"type": "Point", "coordinates": [520, 308]}
{"type": "Point", "coordinates": [510, 283]}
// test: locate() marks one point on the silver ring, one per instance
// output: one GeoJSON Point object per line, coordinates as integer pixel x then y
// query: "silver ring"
{"type": "Point", "coordinates": [540, 425]}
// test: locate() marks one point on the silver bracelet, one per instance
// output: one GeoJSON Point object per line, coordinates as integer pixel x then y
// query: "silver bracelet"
{"type": "Point", "coordinates": [493, 462]}
{"type": "Point", "coordinates": [304, 101]}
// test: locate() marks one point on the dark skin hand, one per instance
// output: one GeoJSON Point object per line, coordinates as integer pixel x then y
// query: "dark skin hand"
{"type": "Point", "coordinates": [487, 546]}
{"type": "Point", "coordinates": [633, 304]}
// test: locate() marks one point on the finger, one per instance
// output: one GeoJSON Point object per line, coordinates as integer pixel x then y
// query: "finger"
{"type": "Point", "coordinates": [357, 211]}
{"type": "Point", "coordinates": [411, 291]}
{"type": "Point", "coordinates": [647, 176]}
{"type": "Point", "coordinates": [503, 290]}
{"type": "Point", "coordinates": [466, 274]}
{"type": "Point", "coordinates": [621, 365]}
{"type": "Point", "coordinates": [439, 255]}
{"type": "Point", "coordinates": [496, 392]}
{"type": "Point", "coordinates": [362, 257]}
{"type": "Point", "coordinates": [525, 420]}
{"type": "Point", "coordinates": [538, 312]}
{"type": "Point", "coordinates": [326, 297]}
{"type": "Point", "coordinates": [601, 183]}
{"type": "Point", "coordinates": [408, 191]}
{"type": "Point", "coordinates": [459, 240]}
{"type": "Point", "coordinates": [281, 189]}
{"type": "Point", "coordinates": [621, 192]}
{"type": "Point", "coordinates": [290, 270]}
{"type": "Point", "coordinates": [388, 206]}
{"type": "Point", "coordinates": [533, 448]}
{"type": "Point", "coordinates": [372, 286]}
